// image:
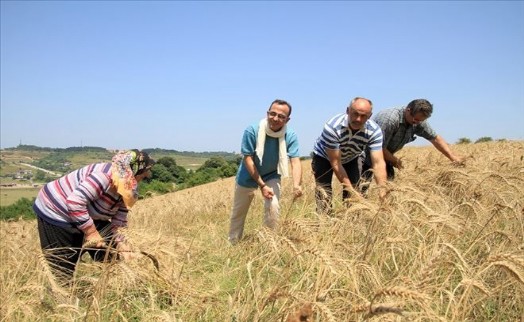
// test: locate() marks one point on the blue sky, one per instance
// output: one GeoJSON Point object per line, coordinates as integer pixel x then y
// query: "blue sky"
{"type": "Point", "coordinates": [191, 75]}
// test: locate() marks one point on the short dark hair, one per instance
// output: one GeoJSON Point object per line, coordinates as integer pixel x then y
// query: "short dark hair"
{"type": "Point", "coordinates": [420, 106]}
{"type": "Point", "coordinates": [281, 102]}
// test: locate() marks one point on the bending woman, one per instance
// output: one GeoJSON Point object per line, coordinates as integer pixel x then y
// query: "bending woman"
{"type": "Point", "coordinates": [87, 207]}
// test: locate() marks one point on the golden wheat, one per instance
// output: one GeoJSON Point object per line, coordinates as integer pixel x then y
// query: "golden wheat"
{"type": "Point", "coordinates": [446, 245]}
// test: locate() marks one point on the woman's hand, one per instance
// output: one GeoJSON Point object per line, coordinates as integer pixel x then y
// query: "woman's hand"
{"type": "Point", "coordinates": [92, 238]}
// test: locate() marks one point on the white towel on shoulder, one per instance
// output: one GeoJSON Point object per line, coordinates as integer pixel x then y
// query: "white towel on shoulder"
{"type": "Point", "coordinates": [283, 168]}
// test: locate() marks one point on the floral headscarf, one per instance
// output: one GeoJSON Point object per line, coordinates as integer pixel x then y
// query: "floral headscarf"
{"type": "Point", "coordinates": [126, 165]}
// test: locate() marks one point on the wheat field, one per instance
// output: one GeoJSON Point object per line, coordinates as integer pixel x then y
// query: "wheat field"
{"type": "Point", "coordinates": [447, 245]}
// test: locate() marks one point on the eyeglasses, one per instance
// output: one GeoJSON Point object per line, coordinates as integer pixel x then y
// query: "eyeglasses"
{"type": "Point", "coordinates": [281, 117]}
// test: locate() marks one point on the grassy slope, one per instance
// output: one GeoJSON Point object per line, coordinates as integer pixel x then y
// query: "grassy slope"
{"type": "Point", "coordinates": [9, 195]}
{"type": "Point", "coordinates": [447, 245]}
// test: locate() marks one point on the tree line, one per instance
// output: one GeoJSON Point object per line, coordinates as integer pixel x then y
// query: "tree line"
{"type": "Point", "coordinates": [167, 176]}
{"type": "Point", "coordinates": [465, 140]}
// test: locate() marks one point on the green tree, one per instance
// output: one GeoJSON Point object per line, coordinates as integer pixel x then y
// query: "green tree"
{"type": "Point", "coordinates": [40, 176]}
{"type": "Point", "coordinates": [179, 173]}
{"type": "Point", "coordinates": [484, 139]}
{"type": "Point", "coordinates": [201, 176]}
{"type": "Point", "coordinates": [168, 162]}
{"type": "Point", "coordinates": [238, 160]}
{"type": "Point", "coordinates": [22, 208]}
{"type": "Point", "coordinates": [223, 168]}
{"type": "Point", "coordinates": [463, 141]}
{"type": "Point", "coordinates": [214, 163]}
{"type": "Point", "coordinates": [229, 170]}
{"type": "Point", "coordinates": [144, 188]}
{"type": "Point", "coordinates": [161, 173]}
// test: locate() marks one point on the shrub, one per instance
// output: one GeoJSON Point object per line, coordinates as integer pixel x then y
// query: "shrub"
{"type": "Point", "coordinates": [22, 208]}
{"type": "Point", "coordinates": [463, 141]}
{"type": "Point", "coordinates": [156, 186]}
{"type": "Point", "coordinates": [484, 139]}
{"type": "Point", "coordinates": [162, 173]}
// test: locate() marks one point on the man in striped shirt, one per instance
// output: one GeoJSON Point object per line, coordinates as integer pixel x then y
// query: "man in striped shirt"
{"type": "Point", "coordinates": [344, 137]}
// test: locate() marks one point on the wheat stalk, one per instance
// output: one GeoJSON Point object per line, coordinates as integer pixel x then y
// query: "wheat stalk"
{"type": "Point", "coordinates": [326, 311]}
{"type": "Point", "coordinates": [511, 263]}
{"type": "Point", "coordinates": [477, 284]}
{"type": "Point", "coordinates": [290, 244]}
{"type": "Point", "coordinates": [401, 292]}
{"type": "Point", "coordinates": [323, 257]}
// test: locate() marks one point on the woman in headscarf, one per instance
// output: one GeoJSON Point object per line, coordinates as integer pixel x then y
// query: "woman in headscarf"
{"type": "Point", "coordinates": [86, 208]}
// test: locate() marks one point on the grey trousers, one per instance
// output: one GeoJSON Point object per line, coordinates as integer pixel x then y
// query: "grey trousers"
{"type": "Point", "coordinates": [241, 203]}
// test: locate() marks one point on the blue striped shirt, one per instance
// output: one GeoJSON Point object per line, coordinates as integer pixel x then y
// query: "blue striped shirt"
{"type": "Point", "coordinates": [336, 135]}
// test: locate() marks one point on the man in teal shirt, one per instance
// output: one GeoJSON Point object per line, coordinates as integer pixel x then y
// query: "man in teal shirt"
{"type": "Point", "coordinates": [266, 148]}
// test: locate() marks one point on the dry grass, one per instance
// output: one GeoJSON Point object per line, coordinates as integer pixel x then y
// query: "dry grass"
{"type": "Point", "coordinates": [448, 245]}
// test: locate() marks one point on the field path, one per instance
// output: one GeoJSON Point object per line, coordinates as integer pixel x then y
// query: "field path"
{"type": "Point", "coordinates": [41, 169]}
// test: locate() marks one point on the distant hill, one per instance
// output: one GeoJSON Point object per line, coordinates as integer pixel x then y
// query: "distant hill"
{"type": "Point", "coordinates": [207, 155]}
{"type": "Point", "coordinates": [62, 160]}
{"type": "Point", "coordinates": [152, 151]}
{"type": "Point", "coordinates": [30, 148]}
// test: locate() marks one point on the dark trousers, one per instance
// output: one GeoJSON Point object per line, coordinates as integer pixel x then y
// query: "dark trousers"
{"type": "Point", "coordinates": [62, 247]}
{"type": "Point", "coordinates": [367, 174]}
{"type": "Point", "coordinates": [323, 173]}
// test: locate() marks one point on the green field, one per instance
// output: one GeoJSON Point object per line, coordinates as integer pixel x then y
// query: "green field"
{"type": "Point", "coordinates": [10, 195]}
